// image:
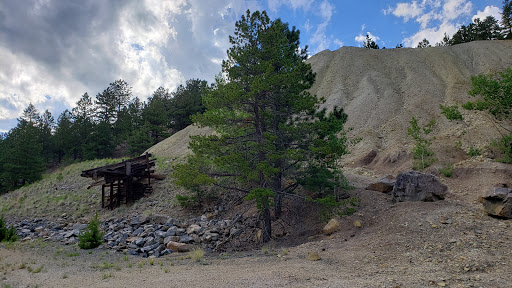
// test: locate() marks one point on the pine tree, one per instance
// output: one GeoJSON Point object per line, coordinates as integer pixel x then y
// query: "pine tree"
{"type": "Point", "coordinates": [268, 126]}
{"type": "Point", "coordinates": [506, 19]}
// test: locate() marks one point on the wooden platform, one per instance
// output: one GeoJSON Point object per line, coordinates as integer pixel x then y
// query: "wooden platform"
{"type": "Point", "coordinates": [123, 182]}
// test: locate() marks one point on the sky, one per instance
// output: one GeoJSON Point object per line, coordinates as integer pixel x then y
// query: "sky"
{"type": "Point", "coordinates": [53, 51]}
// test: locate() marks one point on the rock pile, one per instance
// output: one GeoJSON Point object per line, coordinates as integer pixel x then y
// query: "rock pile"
{"type": "Point", "coordinates": [143, 236]}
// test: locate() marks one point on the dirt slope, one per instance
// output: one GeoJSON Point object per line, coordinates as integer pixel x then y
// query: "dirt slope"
{"type": "Point", "coordinates": [381, 90]}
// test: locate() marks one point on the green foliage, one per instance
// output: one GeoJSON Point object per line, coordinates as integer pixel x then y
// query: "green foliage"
{"type": "Point", "coordinates": [446, 171]}
{"type": "Point", "coordinates": [451, 112]}
{"type": "Point", "coordinates": [421, 151]}
{"type": "Point", "coordinates": [91, 237]}
{"type": "Point", "coordinates": [488, 29]}
{"type": "Point", "coordinates": [268, 126]}
{"type": "Point", "coordinates": [495, 94]}
{"type": "Point", "coordinates": [7, 234]}
{"type": "Point", "coordinates": [186, 201]}
{"type": "Point", "coordinates": [503, 147]}
{"type": "Point", "coordinates": [424, 44]}
{"type": "Point", "coordinates": [331, 205]}
{"type": "Point", "coordinates": [370, 44]}
{"type": "Point", "coordinates": [474, 152]}
{"type": "Point", "coordinates": [506, 18]}
{"type": "Point", "coordinates": [186, 101]}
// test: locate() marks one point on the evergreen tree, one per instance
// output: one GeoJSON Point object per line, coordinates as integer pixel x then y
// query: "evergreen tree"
{"type": "Point", "coordinates": [83, 118]}
{"type": "Point", "coordinates": [65, 139]}
{"type": "Point", "coordinates": [506, 19]}
{"type": "Point", "coordinates": [185, 102]}
{"type": "Point", "coordinates": [46, 125]}
{"type": "Point", "coordinates": [22, 161]}
{"type": "Point", "coordinates": [369, 43]}
{"type": "Point", "coordinates": [268, 127]}
{"type": "Point", "coordinates": [99, 143]}
{"type": "Point", "coordinates": [424, 44]}
{"type": "Point", "coordinates": [155, 116]}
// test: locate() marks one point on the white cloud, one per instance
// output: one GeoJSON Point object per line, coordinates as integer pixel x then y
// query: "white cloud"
{"type": "Point", "coordinates": [82, 47]}
{"type": "Point", "coordinates": [274, 5]}
{"type": "Point", "coordinates": [361, 38]}
{"type": "Point", "coordinates": [488, 11]}
{"type": "Point", "coordinates": [406, 10]}
{"type": "Point", "coordinates": [435, 17]}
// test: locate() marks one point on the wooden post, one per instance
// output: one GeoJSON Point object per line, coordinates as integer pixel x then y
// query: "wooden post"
{"type": "Point", "coordinates": [102, 195]}
{"type": "Point", "coordinates": [111, 195]}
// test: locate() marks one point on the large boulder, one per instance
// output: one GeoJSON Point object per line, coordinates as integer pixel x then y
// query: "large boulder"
{"type": "Point", "coordinates": [415, 186]}
{"type": "Point", "coordinates": [498, 202]}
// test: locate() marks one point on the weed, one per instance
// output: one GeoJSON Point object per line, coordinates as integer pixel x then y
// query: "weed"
{"type": "Point", "coordinates": [72, 254]}
{"type": "Point", "coordinates": [65, 276]}
{"type": "Point", "coordinates": [473, 152]}
{"type": "Point", "coordinates": [166, 270]}
{"type": "Point", "coordinates": [125, 257]}
{"type": "Point", "coordinates": [285, 251]}
{"type": "Point", "coordinates": [197, 254]}
{"type": "Point", "coordinates": [38, 269]}
{"type": "Point", "coordinates": [107, 275]}
{"type": "Point", "coordinates": [446, 171]}
{"type": "Point", "coordinates": [422, 153]}
{"type": "Point", "coordinates": [151, 261]}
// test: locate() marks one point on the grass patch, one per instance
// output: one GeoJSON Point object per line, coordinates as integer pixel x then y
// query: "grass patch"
{"type": "Point", "coordinates": [197, 254]}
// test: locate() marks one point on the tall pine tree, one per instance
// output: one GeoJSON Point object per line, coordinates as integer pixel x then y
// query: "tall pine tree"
{"type": "Point", "coordinates": [269, 129]}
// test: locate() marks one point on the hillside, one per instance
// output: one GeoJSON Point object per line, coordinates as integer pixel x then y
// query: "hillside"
{"type": "Point", "coordinates": [381, 90]}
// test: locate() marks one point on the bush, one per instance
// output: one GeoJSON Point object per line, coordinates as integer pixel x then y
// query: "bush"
{"type": "Point", "coordinates": [503, 148]}
{"type": "Point", "coordinates": [7, 234]}
{"type": "Point", "coordinates": [446, 171]}
{"type": "Point", "coordinates": [91, 237]}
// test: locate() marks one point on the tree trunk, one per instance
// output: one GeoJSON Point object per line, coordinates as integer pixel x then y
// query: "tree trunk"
{"type": "Point", "coordinates": [278, 198]}
{"type": "Point", "coordinates": [267, 224]}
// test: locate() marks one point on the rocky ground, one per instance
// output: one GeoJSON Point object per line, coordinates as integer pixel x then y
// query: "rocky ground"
{"type": "Point", "coordinates": [449, 243]}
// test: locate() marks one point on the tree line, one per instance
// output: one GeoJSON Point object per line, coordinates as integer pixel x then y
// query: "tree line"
{"type": "Point", "coordinates": [486, 29]}
{"type": "Point", "coordinates": [95, 127]}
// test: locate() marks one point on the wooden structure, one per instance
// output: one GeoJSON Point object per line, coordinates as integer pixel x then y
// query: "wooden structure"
{"type": "Point", "coordinates": [124, 182]}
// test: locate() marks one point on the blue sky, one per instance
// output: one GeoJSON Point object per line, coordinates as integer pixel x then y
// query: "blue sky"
{"type": "Point", "coordinates": [53, 51]}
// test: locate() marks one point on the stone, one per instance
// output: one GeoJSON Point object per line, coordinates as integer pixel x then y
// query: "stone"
{"type": "Point", "coordinates": [138, 231]}
{"type": "Point", "coordinates": [178, 247]}
{"type": "Point", "coordinates": [186, 239]}
{"type": "Point", "coordinates": [139, 241]}
{"type": "Point", "coordinates": [415, 186]}
{"type": "Point", "coordinates": [193, 229]}
{"type": "Point", "coordinates": [498, 202]}
{"type": "Point", "coordinates": [313, 256]}
{"type": "Point", "coordinates": [358, 224]}
{"type": "Point", "coordinates": [384, 185]}
{"type": "Point", "coordinates": [39, 229]}
{"type": "Point", "coordinates": [331, 227]}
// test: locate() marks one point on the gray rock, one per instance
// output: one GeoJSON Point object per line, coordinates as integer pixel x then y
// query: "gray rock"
{"type": "Point", "coordinates": [149, 248]}
{"type": "Point", "coordinates": [137, 232]}
{"type": "Point", "coordinates": [186, 239]}
{"type": "Point", "coordinates": [415, 186]}
{"type": "Point", "coordinates": [172, 231]}
{"type": "Point", "coordinates": [139, 242]}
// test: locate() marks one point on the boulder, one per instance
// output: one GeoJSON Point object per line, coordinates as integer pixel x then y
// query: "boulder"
{"type": "Point", "coordinates": [385, 184]}
{"type": "Point", "coordinates": [331, 227]}
{"type": "Point", "coordinates": [415, 186]}
{"type": "Point", "coordinates": [498, 202]}
{"type": "Point", "coordinates": [178, 247]}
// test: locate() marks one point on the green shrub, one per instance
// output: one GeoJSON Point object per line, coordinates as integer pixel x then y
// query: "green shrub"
{"type": "Point", "coordinates": [422, 154]}
{"type": "Point", "coordinates": [7, 234]}
{"type": "Point", "coordinates": [91, 237]}
{"type": "Point", "coordinates": [187, 201]}
{"type": "Point", "coordinates": [473, 152]}
{"type": "Point", "coordinates": [446, 171]}
{"type": "Point", "coordinates": [503, 147]}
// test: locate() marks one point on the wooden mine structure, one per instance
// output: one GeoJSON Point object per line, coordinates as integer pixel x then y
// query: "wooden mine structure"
{"type": "Point", "coordinates": [126, 181]}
